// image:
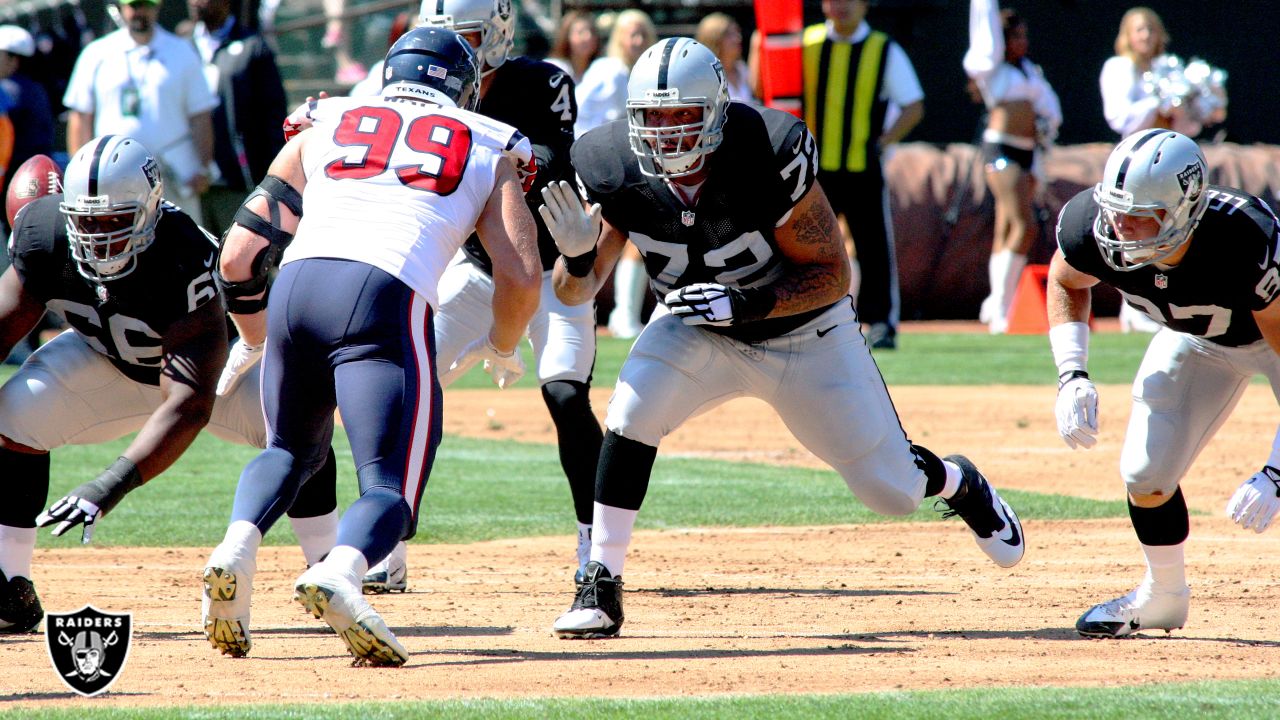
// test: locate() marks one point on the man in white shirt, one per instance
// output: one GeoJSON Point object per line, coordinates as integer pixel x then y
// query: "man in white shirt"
{"type": "Point", "coordinates": [145, 82]}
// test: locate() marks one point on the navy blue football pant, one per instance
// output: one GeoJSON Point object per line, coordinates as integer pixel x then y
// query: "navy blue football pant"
{"type": "Point", "coordinates": [346, 335]}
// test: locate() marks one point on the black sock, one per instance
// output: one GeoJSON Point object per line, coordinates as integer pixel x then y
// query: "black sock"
{"type": "Point", "coordinates": [1164, 525]}
{"type": "Point", "coordinates": [25, 477]}
{"type": "Point", "coordinates": [935, 473]}
{"type": "Point", "coordinates": [626, 464]}
{"type": "Point", "coordinates": [579, 436]}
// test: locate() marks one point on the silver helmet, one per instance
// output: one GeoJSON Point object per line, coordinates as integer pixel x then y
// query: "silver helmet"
{"type": "Point", "coordinates": [111, 200]}
{"type": "Point", "coordinates": [676, 73]}
{"type": "Point", "coordinates": [1153, 173]}
{"type": "Point", "coordinates": [495, 20]}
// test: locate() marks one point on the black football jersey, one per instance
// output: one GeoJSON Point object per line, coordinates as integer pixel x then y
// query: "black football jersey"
{"type": "Point", "coordinates": [123, 319]}
{"type": "Point", "coordinates": [1230, 270]}
{"type": "Point", "coordinates": [764, 165]}
{"type": "Point", "coordinates": [536, 98]}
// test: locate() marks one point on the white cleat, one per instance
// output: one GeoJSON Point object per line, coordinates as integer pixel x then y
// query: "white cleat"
{"type": "Point", "coordinates": [224, 604]}
{"type": "Point", "coordinates": [390, 575]}
{"type": "Point", "coordinates": [1142, 609]}
{"type": "Point", "coordinates": [330, 597]}
{"type": "Point", "coordinates": [994, 525]}
{"type": "Point", "coordinates": [597, 607]}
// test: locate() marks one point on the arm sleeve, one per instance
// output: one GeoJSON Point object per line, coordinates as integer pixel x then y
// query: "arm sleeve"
{"type": "Point", "coordinates": [79, 93]}
{"type": "Point", "coordinates": [986, 39]}
{"type": "Point", "coordinates": [1124, 115]}
{"type": "Point", "coordinates": [901, 86]}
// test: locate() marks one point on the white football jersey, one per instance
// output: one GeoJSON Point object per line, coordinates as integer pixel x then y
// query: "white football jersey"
{"type": "Point", "coordinates": [397, 184]}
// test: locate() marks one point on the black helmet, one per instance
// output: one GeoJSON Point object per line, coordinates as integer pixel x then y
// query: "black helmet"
{"type": "Point", "coordinates": [434, 64]}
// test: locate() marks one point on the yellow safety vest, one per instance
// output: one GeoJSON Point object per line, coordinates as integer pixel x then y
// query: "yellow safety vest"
{"type": "Point", "coordinates": [844, 117]}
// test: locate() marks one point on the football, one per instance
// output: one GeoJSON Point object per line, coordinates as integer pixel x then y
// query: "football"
{"type": "Point", "coordinates": [37, 177]}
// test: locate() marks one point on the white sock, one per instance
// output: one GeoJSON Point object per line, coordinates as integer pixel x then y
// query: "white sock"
{"type": "Point", "coordinates": [316, 535]}
{"type": "Point", "coordinates": [245, 537]}
{"type": "Point", "coordinates": [1166, 566]}
{"type": "Point", "coordinates": [584, 545]}
{"type": "Point", "coordinates": [952, 483]}
{"type": "Point", "coordinates": [349, 562]}
{"type": "Point", "coordinates": [17, 545]}
{"type": "Point", "coordinates": [1012, 274]}
{"type": "Point", "coordinates": [997, 266]}
{"type": "Point", "coordinates": [610, 536]}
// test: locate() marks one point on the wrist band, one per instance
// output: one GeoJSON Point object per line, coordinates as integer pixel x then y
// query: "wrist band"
{"type": "Point", "coordinates": [580, 265]}
{"type": "Point", "coordinates": [754, 304]}
{"type": "Point", "coordinates": [1070, 375]}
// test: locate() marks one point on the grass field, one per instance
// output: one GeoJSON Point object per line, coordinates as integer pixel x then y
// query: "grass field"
{"type": "Point", "coordinates": [482, 490]}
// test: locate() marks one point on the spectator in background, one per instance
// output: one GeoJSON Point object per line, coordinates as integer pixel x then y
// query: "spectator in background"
{"type": "Point", "coordinates": [145, 82]}
{"type": "Point", "coordinates": [602, 94]}
{"type": "Point", "coordinates": [723, 35]}
{"type": "Point", "coordinates": [864, 71]}
{"type": "Point", "coordinates": [29, 109]}
{"type": "Point", "coordinates": [602, 97]}
{"type": "Point", "coordinates": [576, 45]}
{"type": "Point", "coordinates": [1023, 113]}
{"type": "Point", "coordinates": [1130, 107]}
{"type": "Point", "coordinates": [337, 37]}
{"type": "Point", "coordinates": [1127, 105]}
{"type": "Point", "coordinates": [241, 68]}
{"type": "Point", "coordinates": [372, 84]}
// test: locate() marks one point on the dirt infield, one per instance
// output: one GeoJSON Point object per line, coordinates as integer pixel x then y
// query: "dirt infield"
{"type": "Point", "coordinates": [755, 611]}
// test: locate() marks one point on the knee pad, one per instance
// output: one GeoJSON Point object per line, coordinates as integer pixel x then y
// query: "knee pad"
{"type": "Point", "coordinates": [567, 399]}
{"type": "Point", "coordinates": [276, 192]}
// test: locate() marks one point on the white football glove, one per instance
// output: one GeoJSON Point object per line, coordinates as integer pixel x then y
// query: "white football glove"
{"type": "Point", "coordinates": [702, 304]}
{"type": "Point", "coordinates": [1077, 412]}
{"type": "Point", "coordinates": [574, 228]}
{"type": "Point", "coordinates": [504, 369]}
{"type": "Point", "coordinates": [241, 359]}
{"type": "Point", "coordinates": [1255, 503]}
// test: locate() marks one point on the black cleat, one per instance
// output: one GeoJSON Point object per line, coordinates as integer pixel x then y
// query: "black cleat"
{"type": "Point", "coordinates": [994, 525]}
{"type": "Point", "coordinates": [597, 607]}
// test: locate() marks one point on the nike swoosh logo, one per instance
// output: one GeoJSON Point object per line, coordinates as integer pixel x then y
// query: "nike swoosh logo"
{"type": "Point", "coordinates": [209, 262]}
{"type": "Point", "coordinates": [823, 333]}
{"type": "Point", "coordinates": [1009, 536]}
{"type": "Point", "coordinates": [796, 150]}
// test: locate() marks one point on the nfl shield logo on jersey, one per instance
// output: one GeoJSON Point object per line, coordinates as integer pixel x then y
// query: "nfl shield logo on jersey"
{"type": "Point", "coordinates": [1162, 281]}
{"type": "Point", "coordinates": [88, 647]}
{"type": "Point", "coordinates": [686, 217]}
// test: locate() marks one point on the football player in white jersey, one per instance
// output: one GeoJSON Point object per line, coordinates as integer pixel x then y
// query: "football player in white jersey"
{"type": "Point", "coordinates": [380, 194]}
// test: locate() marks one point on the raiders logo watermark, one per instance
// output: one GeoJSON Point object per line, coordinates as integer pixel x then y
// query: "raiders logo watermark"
{"type": "Point", "coordinates": [88, 647]}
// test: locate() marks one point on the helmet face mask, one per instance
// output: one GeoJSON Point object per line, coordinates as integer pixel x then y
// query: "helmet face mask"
{"type": "Point", "coordinates": [493, 20]}
{"type": "Point", "coordinates": [676, 74]}
{"type": "Point", "coordinates": [433, 64]}
{"type": "Point", "coordinates": [1154, 174]}
{"type": "Point", "coordinates": [111, 201]}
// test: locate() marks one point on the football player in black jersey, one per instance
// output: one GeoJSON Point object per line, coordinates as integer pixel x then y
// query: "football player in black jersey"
{"type": "Point", "coordinates": [1201, 260]}
{"type": "Point", "coordinates": [131, 274]}
{"type": "Point", "coordinates": [742, 246]}
{"type": "Point", "coordinates": [537, 98]}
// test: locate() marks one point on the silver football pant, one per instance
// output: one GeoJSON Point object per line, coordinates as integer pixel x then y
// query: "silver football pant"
{"type": "Point", "coordinates": [66, 393]}
{"type": "Point", "coordinates": [820, 378]}
{"type": "Point", "coordinates": [1185, 389]}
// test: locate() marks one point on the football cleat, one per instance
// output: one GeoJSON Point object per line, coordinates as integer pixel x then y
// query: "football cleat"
{"type": "Point", "coordinates": [597, 607]}
{"type": "Point", "coordinates": [20, 609]}
{"type": "Point", "coordinates": [993, 523]}
{"type": "Point", "coordinates": [1142, 609]}
{"type": "Point", "coordinates": [330, 597]}
{"type": "Point", "coordinates": [390, 575]}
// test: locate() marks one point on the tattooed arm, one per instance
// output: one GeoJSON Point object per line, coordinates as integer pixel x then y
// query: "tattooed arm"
{"type": "Point", "coordinates": [816, 269]}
